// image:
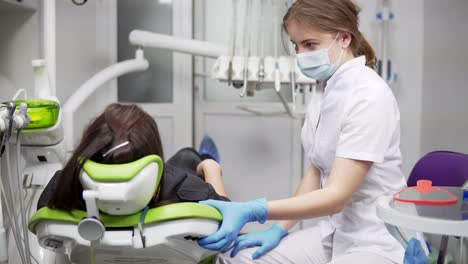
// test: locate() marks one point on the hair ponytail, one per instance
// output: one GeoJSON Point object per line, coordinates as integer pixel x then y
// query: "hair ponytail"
{"type": "Point", "coordinates": [366, 49]}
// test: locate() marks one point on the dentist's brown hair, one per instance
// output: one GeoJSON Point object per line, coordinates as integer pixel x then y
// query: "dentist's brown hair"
{"type": "Point", "coordinates": [333, 16]}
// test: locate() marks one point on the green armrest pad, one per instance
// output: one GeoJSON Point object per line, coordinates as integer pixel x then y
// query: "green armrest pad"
{"type": "Point", "coordinates": [159, 214]}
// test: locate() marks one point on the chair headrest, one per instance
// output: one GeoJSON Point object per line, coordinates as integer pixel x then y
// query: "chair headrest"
{"type": "Point", "coordinates": [117, 172]}
{"type": "Point", "coordinates": [123, 188]}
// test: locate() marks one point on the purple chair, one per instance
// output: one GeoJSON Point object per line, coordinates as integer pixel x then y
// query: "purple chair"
{"type": "Point", "coordinates": [443, 168]}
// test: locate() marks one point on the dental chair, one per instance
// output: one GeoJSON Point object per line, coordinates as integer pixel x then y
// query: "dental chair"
{"type": "Point", "coordinates": [118, 227]}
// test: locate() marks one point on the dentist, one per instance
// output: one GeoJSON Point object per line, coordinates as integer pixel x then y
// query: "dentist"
{"type": "Point", "coordinates": [352, 140]}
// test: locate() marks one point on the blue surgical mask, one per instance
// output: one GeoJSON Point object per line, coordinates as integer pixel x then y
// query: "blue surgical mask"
{"type": "Point", "coordinates": [316, 64]}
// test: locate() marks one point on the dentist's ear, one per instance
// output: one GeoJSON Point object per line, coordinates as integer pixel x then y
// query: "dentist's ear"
{"type": "Point", "coordinates": [345, 39]}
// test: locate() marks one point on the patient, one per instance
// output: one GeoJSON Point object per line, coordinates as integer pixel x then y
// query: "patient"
{"type": "Point", "coordinates": [188, 176]}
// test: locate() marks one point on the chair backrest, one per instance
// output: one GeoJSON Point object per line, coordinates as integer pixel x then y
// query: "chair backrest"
{"type": "Point", "coordinates": [443, 168]}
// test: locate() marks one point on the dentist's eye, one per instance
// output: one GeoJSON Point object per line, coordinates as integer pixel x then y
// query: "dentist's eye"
{"type": "Point", "coordinates": [311, 45]}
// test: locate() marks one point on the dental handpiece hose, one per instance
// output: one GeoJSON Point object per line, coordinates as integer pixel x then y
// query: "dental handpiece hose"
{"type": "Point", "coordinates": [10, 220]}
{"type": "Point", "coordinates": [2, 128]}
{"type": "Point", "coordinates": [21, 121]}
{"type": "Point", "coordinates": [11, 107]}
{"type": "Point", "coordinates": [27, 250]}
{"type": "Point", "coordinates": [6, 187]}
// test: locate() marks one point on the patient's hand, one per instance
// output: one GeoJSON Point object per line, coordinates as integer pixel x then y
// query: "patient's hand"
{"type": "Point", "coordinates": [210, 171]}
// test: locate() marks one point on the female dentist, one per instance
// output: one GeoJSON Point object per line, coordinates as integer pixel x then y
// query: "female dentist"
{"type": "Point", "coordinates": [352, 140]}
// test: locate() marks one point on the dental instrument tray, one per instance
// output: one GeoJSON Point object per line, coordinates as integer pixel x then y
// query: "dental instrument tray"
{"type": "Point", "coordinates": [425, 193]}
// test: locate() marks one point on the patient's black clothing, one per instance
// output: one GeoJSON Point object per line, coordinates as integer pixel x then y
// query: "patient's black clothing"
{"type": "Point", "coordinates": [180, 182]}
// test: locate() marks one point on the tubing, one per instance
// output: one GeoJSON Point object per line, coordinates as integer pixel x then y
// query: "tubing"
{"type": "Point", "coordinates": [275, 43]}
{"type": "Point", "coordinates": [246, 46]}
{"type": "Point", "coordinates": [11, 108]}
{"type": "Point", "coordinates": [7, 196]}
{"type": "Point", "coordinates": [234, 39]}
{"type": "Point", "coordinates": [24, 224]}
{"type": "Point", "coordinates": [234, 28]}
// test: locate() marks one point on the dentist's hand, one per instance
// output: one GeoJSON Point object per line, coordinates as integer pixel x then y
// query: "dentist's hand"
{"type": "Point", "coordinates": [235, 216]}
{"type": "Point", "coordinates": [267, 240]}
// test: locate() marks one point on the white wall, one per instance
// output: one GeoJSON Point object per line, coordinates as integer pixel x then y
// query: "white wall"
{"type": "Point", "coordinates": [260, 155]}
{"type": "Point", "coordinates": [19, 45]}
{"type": "Point", "coordinates": [429, 46]}
{"type": "Point", "coordinates": [78, 58]}
{"type": "Point", "coordinates": [445, 107]}
{"type": "Point", "coordinates": [406, 46]}
{"type": "Point", "coordinates": [85, 44]}
{"type": "Point", "coordinates": [406, 40]}
{"type": "Point", "coordinates": [154, 85]}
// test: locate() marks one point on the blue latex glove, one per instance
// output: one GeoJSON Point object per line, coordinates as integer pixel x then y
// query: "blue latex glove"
{"type": "Point", "coordinates": [414, 253]}
{"type": "Point", "coordinates": [266, 240]}
{"type": "Point", "coordinates": [235, 216]}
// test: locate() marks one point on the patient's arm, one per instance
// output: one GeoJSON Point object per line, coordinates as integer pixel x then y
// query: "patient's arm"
{"type": "Point", "coordinates": [212, 173]}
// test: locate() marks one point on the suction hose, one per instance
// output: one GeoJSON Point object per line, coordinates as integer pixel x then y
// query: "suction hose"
{"type": "Point", "coordinates": [21, 200]}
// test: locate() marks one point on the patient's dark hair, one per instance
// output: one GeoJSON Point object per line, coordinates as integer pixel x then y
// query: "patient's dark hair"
{"type": "Point", "coordinates": [117, 124]}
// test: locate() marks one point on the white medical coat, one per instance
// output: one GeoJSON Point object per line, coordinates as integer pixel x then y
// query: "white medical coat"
{"type": "Point", "coordinates": [356, 116]}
